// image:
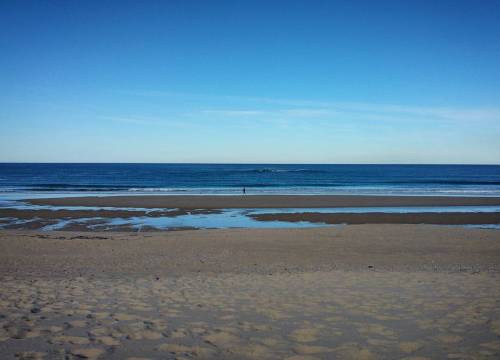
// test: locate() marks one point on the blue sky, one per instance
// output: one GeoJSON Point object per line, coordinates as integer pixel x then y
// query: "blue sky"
{"type": "Point", "coordinates": [250, 81]}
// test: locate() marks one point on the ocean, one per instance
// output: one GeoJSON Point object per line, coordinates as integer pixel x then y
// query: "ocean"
{"type": "Point", "coordinates": [78, 179]}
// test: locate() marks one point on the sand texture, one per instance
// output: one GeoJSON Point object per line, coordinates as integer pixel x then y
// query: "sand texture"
{"type": "Point", "coordinates": [386, 218]}
{"type": "Point", "coordinates": [98, 220]}
{"type": "Point", "coordinates": [356, 292]}
{"type": "Point", "coordinates": [97, 213]}
{"type": "Point", "coordinates": [264, 201]}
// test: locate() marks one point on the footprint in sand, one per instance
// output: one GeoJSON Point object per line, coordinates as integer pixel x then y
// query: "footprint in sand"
{"type": "Point", "coordinates": [77, 323]}
{"type": "Point", "coordinates": [221, 338]}
{"type": "Point", "coordinates": [409, 347]}
{"type": "Point", "coordinates": [75, 340]}
{"type": "Point", "coordinates": [352, 351]}
{"type": "Point", "coordinates": [196, 351]}
{"type": "Point", "coordinates": [88, 353]}
{"type": "Point", "coordinates": [450, 339]}
{"type": "Point", "coordinates": [252, 351]}
{"type": "Point", "coordinates": [124, 317]}
{"type": "Point", "coordinates": [495, 327]}
{"type": "Point", "coordinates": [30, 355]}
{"type": "Point", "coordinates": [308, 349]}
{"type": "Point", "coordinates": [175, 348]}
{"type": "Point", "coordinates": [181, 333]}
{"type": "Point", "coordinates": [302, 357]}
{"type": "Point", "coordinates": [493, 345]}
{"type": "Point", "coordinates": [305, 335]}
{"type": "Point", "coordinates": [108, 341]}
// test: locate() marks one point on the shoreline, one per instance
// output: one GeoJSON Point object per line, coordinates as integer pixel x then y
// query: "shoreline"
{"type": "Point", "coordinates": [191, 202]}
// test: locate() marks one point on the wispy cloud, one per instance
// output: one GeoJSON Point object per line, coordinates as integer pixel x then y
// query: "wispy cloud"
{"type": "Point", "coordinates": [237, 112]}
{"type": "Point", "coordinates": [147, 121]}
{"type": "Point", "coordinates": [248, 106]}
{"type": "Point", "coordinates": [130, 120]}
{"type": "Point", "coordinates": [277, 112]}
{"type": "Point", "coordinates": [372, 114]}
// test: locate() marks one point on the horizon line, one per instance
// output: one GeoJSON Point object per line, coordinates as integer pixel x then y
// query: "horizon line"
{"type": "Point", "coordinates": [239, 163]}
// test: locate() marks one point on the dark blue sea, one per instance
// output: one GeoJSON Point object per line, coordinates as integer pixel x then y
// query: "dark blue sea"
{"type": "Point", "coordinates": [61, 179]}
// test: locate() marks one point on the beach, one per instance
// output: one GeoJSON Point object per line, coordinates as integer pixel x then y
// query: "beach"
{"type": "Point", "coordinates": [250, 180]}
{"type": "Point", "coordinates": [364, 284]}
{"type": "Point", "coordinates": [263, 201]}
{"type": "Point", "coordinates": [354, 292]}
{"type": "Point", "coordinates": [152, 213]}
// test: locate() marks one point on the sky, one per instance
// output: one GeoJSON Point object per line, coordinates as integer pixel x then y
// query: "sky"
{"type": "Point", "coordinates": [250, 81]}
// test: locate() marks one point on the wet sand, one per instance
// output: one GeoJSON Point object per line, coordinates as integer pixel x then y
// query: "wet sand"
{"type": "Point", "coordinates": [355, 292]}
{"type": "Point", "coordinates": [181, 205]}
{"type": "Point", "coordinates": [264, 201]}
{"type": "Point", "coordinates": [96, 220]}
{"type": "Point", "coordinates": [76, 214]}
{"type": "Point", "coordinates": [386, 218]}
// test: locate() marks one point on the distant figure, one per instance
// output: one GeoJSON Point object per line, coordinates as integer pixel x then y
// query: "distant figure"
{"type": "Point", "coordinates": [244, 191]}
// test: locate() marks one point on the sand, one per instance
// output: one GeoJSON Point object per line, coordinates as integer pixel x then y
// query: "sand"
{"type": "Point", "coordinates": [169, 206]}
{"type": "Point", "coordinates": [263, 251]}
{"type": "Point", "coordinates": [353, 292]}
{"type": "Point", "coordinates": [75, 214]}
{"type": "Point", "coordinates": [264, 201]}
{"type": "Point", "coordinates": [450, 218]}
{"type": "Point", "coordinates": [91, 220]}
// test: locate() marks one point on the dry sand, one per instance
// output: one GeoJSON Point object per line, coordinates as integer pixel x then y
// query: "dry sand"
{"type": "Point", "coordinates": [355, 292]}
{"type": "Point", "coordinates": [264, 201]}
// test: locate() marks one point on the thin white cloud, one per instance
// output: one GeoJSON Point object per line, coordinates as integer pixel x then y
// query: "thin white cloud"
{"type": "Point", "coordinates": [235, 112]}
{"type": "Point", "coordinates": [258, 107]}
{"type": "Point", "coordinates": [362, 113]}
{"type": "Point", "coordinates": [147, 121]}
{"type": "Point", "coordinates": [129, 120]}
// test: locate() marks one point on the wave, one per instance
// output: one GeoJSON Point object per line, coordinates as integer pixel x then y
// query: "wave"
{"type": "Point", "coordinates": [440, 182]}
{"type": "Point", "coordinates": [277, 190]}
{"type": "Point", "coordinates": [76, 189]}
{"type": "Point", "coordinates": [147, 189]}
{"type": "Point", "coordinates": [273, 170]}
{"type": "Point", "coordinates": [69, 187]}
{"type": "Point", "coordinates": [442, 185]}
{"type": "Point", "coordinates": [247, 171]}
{"type": "Point", "coordinates": [65, 185]}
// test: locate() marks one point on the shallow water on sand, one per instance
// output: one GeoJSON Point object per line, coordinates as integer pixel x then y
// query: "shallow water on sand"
{"type": "Point", "coordinates": [223, 220]}
{"type": "Point", "coordinates": [203, 219]}
{"type": "Point", "coordinates": [220, 219]}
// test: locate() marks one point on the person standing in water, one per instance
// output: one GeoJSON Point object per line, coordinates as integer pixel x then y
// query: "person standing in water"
{"type": "Point", "coordinates": [244, 191]}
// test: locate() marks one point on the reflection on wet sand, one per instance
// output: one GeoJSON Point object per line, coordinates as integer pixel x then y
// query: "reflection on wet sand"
{"type": "Point", "coordinates": [110, 219]}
